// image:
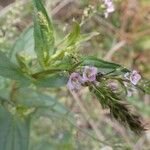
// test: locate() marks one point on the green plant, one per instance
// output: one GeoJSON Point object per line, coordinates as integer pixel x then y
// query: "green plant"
{"type": "Point", "coordinates": [51, 65]}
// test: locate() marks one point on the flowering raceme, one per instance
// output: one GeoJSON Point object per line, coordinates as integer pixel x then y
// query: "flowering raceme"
{"type": "Point", "coordinates": [89, 74]}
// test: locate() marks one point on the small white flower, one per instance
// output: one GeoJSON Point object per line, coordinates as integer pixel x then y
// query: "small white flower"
{"type": "Point", "coordinates": [109, 7]}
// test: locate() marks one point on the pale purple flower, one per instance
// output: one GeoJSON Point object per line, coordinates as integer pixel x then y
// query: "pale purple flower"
{"type": "Point", "coordinates": [109, 7]}
{"type": "Point", "coordinates": [135, 77]}
{"type": "Point", "coordinates": [74, 82]}
{"type": "Point", "coordinates": [89, 74]}
{"type": "Point", "coordinates": [113, 86]}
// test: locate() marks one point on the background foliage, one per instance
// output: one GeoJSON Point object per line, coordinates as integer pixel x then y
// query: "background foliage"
{"type": "Point", "coordinates": [122, 38]}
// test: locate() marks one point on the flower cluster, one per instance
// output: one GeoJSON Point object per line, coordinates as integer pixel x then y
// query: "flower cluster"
{"type": "Point", "coordinates": [76, 80]}
{"type": "Point", "coordinates": [134, 77]}
{"type": "Point", "coordinates": [89, 75]}
{"type": "Point", "coordinates": [109, 7]}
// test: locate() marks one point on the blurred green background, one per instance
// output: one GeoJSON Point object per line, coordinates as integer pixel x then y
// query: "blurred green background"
{"type": "Point", "coordinates": [124, 38]}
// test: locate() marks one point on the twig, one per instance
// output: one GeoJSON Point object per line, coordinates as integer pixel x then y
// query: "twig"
{"type": "Point", "coordinates": [114, 49]}
{"type": "Point", "coordinates": [102, 21]}
{"type": "Point", "coordinates": [86, 115]}
{"type": "Point", "coordinates": [60, 6]}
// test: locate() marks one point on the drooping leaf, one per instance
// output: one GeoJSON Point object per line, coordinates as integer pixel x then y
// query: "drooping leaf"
{"type": "Point", "coordinates": [11, 71]}
{"type": "Point", "coordinates": [14, 132]}
{"type": "Point", "coordinates": [102, 65]}
{"type": "Point", "coordinates": [43, 33]}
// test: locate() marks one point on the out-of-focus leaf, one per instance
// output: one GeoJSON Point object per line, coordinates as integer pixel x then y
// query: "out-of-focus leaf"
{"type": "Point", "coordinates": [143, 43]}
{"type": "Point", "coordinates": [14, 132]}
{"type": "Point", "coordinates": [102, 65]}
{"type": "Point", "coordinates": [4, 94]}
{"type": "Point", "coordinates": [43, 33]}
{"type": "Point", "coordinates": [11, 71]}
{"type": "Point", "coordinates": [25, 43]}
{"type": "Point", "coordinates": [32, 98]}
{"type": "Point", "coordinates": [55, 142]}
{"type": "Point", "coordinates": [52, 81]}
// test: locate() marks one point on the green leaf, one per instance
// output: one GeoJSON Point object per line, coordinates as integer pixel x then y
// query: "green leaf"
{"type": "Point", "coordinates": [14, 132]}
{"type": "Point", "coordinates": [11, 71]}
{"type": "Point", "coordinates": [73, 36]}
{"type": "Point", "coordinates": [25, 44]}
{"type": "Point", "coordinates": [52, 81]}
{"type": "Point", "coordinates": [43, 33]}
{"type": "Point", "coordinates": [32, 98]}
{"type": "Point", "coordinates": [102, 65]}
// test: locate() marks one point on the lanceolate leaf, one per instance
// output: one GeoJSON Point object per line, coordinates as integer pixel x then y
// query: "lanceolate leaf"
{"type": "Point", "coordinates": [43, 33]}
{"type": "Point", "coordinates": [14, 132]}
{"type": "Point", "coordinates": [11, 71]}
{"type": "Point", "coordinates": [102, 65]}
